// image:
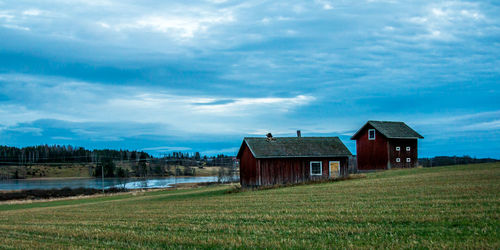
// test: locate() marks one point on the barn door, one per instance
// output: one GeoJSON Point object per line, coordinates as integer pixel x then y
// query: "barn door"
{"type": "Point", "coordinates": [334, 169]}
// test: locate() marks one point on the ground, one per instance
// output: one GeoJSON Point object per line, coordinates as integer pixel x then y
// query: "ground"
{"type": "Point", "coordinates": [442, 207]}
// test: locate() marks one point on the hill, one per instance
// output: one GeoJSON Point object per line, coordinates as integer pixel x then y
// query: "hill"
{"type": "Point", "coordinates": [441, 207]}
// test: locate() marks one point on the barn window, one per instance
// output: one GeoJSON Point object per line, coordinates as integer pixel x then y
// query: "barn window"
{"type": "Point", "coordinates": [407, 148]}
{"type": "Point", "coordinates": [371, 134]}
{"type": "Point", "coordinates": [408, 159]}
{"type": "Point", "coordinates": [398, 148]}
{"type": "Point", "coordinates": [316, 168]}
{"type": "Point", "coordinates": [398, 159]}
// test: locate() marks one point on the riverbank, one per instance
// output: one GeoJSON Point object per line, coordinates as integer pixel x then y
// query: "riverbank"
{"type": "Point", "coordinates": [33, 196]}
{"type": "Point", "coordinates": [37, 194]}
{"type": "Point", "coordinates": [98, 183]}
{"type": "Point", "coordinates": [28, 172]}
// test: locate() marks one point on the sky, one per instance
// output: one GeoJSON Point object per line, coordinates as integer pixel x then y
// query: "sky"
{"type": "Point", "coordinates": [163, 76]}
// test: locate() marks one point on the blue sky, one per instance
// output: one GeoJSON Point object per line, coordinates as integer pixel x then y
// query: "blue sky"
{"type": "Point", "coordinates": [200, 75]}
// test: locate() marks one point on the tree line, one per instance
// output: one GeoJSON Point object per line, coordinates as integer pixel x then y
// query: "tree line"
{"type": "Point", "coordinates": [62, 154]}
{"type": "Point", "coordinates": [114, 163]}
{"type": "Point", "coordinates": [452, 160]}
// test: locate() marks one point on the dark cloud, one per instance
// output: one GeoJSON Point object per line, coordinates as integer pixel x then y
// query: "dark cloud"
{"type": "Point", "coordinates": [136, 74]}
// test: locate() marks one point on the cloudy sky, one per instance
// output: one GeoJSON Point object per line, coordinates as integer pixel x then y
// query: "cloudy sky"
{"type": "Point", "coordinates": [200, 75]}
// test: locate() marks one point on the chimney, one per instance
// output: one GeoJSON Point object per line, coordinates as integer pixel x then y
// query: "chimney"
{"type": "Point", "coordinates": [298, 133]}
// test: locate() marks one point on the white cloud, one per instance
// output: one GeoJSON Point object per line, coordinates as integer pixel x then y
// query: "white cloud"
{"type": "Point", "coordinates": [451, 119]}
{"type": "Point", "coordinates": [32, 12]}
{"type": "Point", "coordinates": [217, 1]}
{"type": "Point", "coordinates": [487, 126]}
{"type": "Point", "coordinates": [325, 4]}
{"type": "Point", "coordinates": [178, 26]}
{"type": "Point", "coordinates": [166, 148]}
{"type": "Point", "coordinates": [73, 101]}
{"type": "Point", "coordinates": [63, 138]}
{"type": "Point", "coordinates": [6, 15]}
{"type": "Point", "coordinates": [229, 151]}
{"type": "Point", "coordinates": [16, 27]}
{"type": "Point", "coordinates": [447, 21]}
{"type": "Point", "coordinates": [30, 130]}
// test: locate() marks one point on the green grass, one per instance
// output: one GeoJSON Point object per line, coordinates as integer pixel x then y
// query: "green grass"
{"type": "Point", "coordinates": [442, 207]}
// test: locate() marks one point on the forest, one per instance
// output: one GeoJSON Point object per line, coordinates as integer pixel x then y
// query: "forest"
{"type": "Point", "coordinates": [34, 161]}
{"type": "Point", "coordinates": [452, 160]}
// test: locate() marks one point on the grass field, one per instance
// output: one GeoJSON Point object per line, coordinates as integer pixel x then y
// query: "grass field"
{"type": "Point", "coordinates": [442, 207]}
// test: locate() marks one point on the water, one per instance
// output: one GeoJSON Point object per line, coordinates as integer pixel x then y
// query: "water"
{"type": "Point", "coordinates": [129, 183]}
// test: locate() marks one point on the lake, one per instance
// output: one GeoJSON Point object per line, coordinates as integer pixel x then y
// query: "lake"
{"type": "Point", "coordinates": [129, 183]}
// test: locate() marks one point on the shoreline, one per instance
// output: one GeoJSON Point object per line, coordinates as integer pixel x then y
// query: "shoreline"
{"type": "Point", "coordinates": [191, 185]}
{"type": "Point", "coordinates": [106, 178]}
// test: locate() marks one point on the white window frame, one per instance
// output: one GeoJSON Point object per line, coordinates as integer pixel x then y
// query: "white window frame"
{"type": "Point", "coordinates": [398, 148]}
{"type": "Point", "coordinates": [408, 148]}
{"type": "Point", "coordinates": [398, 159]}
{"type": "Point", "coordinates": [320, 168]}
{"type": "Point", "coordinates": [369, 138]}
{"type": "Point", "coordinates": [408, 159]}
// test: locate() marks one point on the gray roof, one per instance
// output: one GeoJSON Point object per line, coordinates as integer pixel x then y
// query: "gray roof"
{"type": "Point", "coordinates": [392, 130]}
{"type": "Point", "coordinates": [294, 147]}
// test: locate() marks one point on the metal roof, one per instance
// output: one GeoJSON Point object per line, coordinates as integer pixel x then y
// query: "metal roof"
{"type": "Point", "coordinates": [295, 147]}
{"type": "Point", "coordinates": [391, 130]}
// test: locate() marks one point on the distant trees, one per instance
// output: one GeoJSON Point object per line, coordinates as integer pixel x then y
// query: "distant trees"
{"type": "Point", "coordinates": [116, 163]}
{"type": "Point", "coordinates": [108, 166]}
{"type": "Point", "coordinates": [61, 154]}
{"type": "Point", "coordinates": [121, 173]}
{"type": "Point", "coordinates": [452, 160]}
{"type": "Point", "coordinates": [227, 172]}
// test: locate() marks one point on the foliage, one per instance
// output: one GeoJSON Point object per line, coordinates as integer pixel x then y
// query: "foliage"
{"type": "Point", "coordinates": [442, 207]}
{"type": "Point", "coordinates": [133, 163]}
{"type": "Point", "coordinates": [452, 160]}
{"type": "Point", "coordinates": [121, 173]}
{"type": "Point", "coordinates": [60, 154]}
{"type": "Point", "coordinates": [108, 166]}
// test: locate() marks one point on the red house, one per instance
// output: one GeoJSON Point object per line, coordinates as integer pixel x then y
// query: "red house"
{"type": "Point", "coordinates": [281, 160]}
{"type": "Point", "coordinates": [386, 145]}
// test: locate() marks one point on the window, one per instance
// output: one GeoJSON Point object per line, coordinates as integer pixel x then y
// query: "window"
{"type": "Point", "coordinates": [398, 148]}
{"type": "Point", "coordinates": [407, 148]}
{"type": "Point", "coordinates": [398, 159]}
{"type": "Point", "coordinates": [371, 134]}
{"type": "Point", "coordinates": [316, 168]}
{"type": "Point", "coordinates": [408, 159]}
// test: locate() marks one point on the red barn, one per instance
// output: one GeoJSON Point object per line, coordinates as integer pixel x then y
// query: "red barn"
{"type": "Point", "coordinates": [386, 145]}
{"type": "Point", "coordinates": [281, 160]}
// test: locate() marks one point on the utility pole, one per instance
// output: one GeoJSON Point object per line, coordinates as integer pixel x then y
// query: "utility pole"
{"type": "Point", "coordinates": [102, 177]}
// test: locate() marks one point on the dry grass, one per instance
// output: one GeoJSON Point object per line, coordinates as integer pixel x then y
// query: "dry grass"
{"type": "Point", "coordinates": [445, 207]}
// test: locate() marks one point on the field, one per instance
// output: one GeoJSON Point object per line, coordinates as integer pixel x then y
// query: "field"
{"type": "Point", "coordinates": [442, 207]}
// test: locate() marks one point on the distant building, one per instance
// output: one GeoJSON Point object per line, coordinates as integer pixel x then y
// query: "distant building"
{"type": "Point", "coordinates": [282, 160]}
{"type": "Point", "coordinates": [386, 145]}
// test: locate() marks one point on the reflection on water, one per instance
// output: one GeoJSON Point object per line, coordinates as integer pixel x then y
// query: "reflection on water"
{"type": "Point", "coordinates": [129, 183]}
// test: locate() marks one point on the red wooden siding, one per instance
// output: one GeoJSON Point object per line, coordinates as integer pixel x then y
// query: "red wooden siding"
{"type": "Point", "coordinates": [248, 171]}
{"type": "Point", "coordinates": [403, 154]}
{"type": "Point", "coordinates": [371, 154]}
{"type": "Point", "coordinates": [285, 170]}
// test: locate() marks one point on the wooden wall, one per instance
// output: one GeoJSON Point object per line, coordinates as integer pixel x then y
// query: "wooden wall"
{"type": "Point", "coordinates": [286, 170]}
{"type": "Point", "coordinates": [248, 171]}
{"type": "Point", "coordinates": [371, 154]}
{"type": "Point", "coordinates": [403, 154]}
